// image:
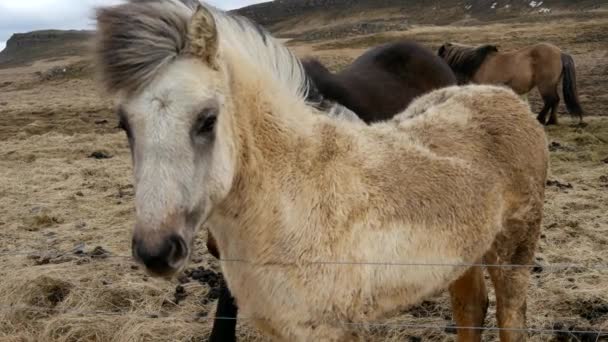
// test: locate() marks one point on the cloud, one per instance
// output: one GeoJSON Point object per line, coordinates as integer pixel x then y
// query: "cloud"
{"type": "Point", "coordinates": [18, 16]}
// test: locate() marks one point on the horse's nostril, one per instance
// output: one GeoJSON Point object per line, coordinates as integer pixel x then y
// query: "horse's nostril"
{"type": "Point", "coordinates": [164, 259]}
{"type": "Point", "coordinates": [179, 250]}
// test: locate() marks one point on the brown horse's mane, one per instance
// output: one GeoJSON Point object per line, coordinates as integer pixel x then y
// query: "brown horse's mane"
{"type": "Point", "coordinates": [324, 81]}
{"type": "Point", "coordinates": [465, 60]}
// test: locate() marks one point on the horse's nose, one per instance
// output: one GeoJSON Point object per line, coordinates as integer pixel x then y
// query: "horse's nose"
{"type": "Point", "coordinates": [165, 258]}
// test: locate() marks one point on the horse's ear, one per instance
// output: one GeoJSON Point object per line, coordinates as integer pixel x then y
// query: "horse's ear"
{"type": "Point", "coordinates": [203, 36]}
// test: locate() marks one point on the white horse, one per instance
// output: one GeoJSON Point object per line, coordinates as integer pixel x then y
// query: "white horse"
{"type": "Point", "coordinates": [308, 211]}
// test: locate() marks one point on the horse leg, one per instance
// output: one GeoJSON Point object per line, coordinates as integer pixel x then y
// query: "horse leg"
{"type": "Point", "coordinates": [469, 303]}
{"type": "Point", "coordinates": [542, 116]}
{"type": "Point", "coordinates": [511, 283]}
{"type": "Point", "coordinates": [224, 329]}
{"type": "Point", "coordinates": [551, 100]}
{"type": "Point", "coordinates": [511, 286]}
{"type": "Point", "coordinates": [224, 326]}
{"type": "Point", "coordinates": [553, 117]}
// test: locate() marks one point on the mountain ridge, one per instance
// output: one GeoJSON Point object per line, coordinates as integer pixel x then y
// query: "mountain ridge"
{"type": "Point", "coordinates": [25, 48]}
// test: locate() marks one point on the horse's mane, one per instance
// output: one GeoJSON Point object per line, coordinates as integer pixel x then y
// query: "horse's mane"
{"type": "Point", "coordinates": [320, 77]}
{"type": "Point", "coordinates": [325, 81]}
{"type": "Point", "coordinates": [137, 39]}
{"type": "Point", "coordinates": [465, 60]}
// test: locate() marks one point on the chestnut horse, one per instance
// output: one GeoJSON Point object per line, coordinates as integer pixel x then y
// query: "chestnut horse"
{"type": "Point", "coordinates": [221, 133]}
{"type": "Point", "coordinates": [541, 65]}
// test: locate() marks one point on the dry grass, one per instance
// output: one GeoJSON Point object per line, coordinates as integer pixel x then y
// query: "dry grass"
{"type": "Point", "coordinates": [60, 204]}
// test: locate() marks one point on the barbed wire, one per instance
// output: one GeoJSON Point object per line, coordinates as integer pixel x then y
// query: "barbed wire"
{"type": "Point", "coordinates": [420, 264]}
{"type": "Point", "coordinates": [444, 327]}
{"type": "Point", "coordinates": [599, 333]}
{"type": "Point", "coordinates": [548, 266]}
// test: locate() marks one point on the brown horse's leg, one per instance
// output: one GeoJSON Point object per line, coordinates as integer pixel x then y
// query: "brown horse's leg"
{"type": "Point", "coordinates": [469, 304]}
{"type": "Point", "coordinates": [553, 117]}
{"type": "Point", "coordinates": [551, 99]}
{"type": "Point", "coordinates": [511, 283]}
{"type": "Point", "coordinates": [542, 116]}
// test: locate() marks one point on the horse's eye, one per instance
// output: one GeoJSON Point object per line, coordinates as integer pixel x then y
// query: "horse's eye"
{"type": "Point", "coordinates": [206, 122]}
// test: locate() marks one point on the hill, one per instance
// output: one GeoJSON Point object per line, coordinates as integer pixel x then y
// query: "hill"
{"type": "Point", "coordinates": [26, 48]}
{"type": "Point", "coordinates": [308, 20]}
{"type": "Point", "coordinates": [282, 15]}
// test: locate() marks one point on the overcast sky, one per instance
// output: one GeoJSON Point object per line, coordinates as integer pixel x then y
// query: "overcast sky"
{"type": "Point", "coordinates": [18, 16]}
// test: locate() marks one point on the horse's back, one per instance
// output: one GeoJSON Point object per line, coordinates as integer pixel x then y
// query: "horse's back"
{"type": "Point", "coordinates": [522, 69]}
{"type": "Point", "coordinates": [385, 79]}
{"type": "Point", "coordinates": [407, 60]}
{"type": "Point", "coordinates": [486, 125]}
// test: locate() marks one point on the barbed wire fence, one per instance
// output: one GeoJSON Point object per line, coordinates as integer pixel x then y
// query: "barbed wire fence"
{"type": "Point", "coordinates": [599, 332]}
{"type": "Point", "coordinates": [547, 266]}
{"type": "Point", "coordinates": [589, 335]}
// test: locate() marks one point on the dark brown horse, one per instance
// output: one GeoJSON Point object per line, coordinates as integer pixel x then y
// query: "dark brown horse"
{"type": "Point", "coordinates": [541, 65]}
{"type": "Point", "coordinates": [376, 86]}
{"type": "Point", "coordinates": [382, 81]}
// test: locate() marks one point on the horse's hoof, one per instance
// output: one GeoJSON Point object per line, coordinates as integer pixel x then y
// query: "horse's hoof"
{"type": "Point", "coordinates": [552, 123]}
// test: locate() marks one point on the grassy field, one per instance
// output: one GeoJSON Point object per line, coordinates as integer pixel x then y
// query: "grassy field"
{"type": "Point", "coordinates": [66, 208]}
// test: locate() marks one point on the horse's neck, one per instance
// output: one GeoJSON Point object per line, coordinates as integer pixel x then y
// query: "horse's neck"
{"type": "Point", "coordinates": [255, 207]}
{"type": "Point", "coordinates": [269, 119]}
{"type": "Point", "coordinates": [325, 81]}
{"type": "Point", "coordinates": [290, 155]}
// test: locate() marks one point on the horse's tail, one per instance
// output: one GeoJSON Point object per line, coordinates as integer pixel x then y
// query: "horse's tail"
{"type": "Point", "coordinates": [569, 83]}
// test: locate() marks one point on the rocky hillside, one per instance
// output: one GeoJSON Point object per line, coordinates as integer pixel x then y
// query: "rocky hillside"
{"type": "Point", "coordinates": [25, 48]}
{"type": "Point", "coordinates": [273, 14]}
{"type": "Point", "coordinates": [310, 20]}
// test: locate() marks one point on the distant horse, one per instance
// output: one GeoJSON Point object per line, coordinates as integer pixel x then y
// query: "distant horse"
{"type": "Point", "coordinates": [382, 81]}
{"type": "Point", "coordinates": [221, 133]}
{"type": "Point", "coordinates": [541, 65]}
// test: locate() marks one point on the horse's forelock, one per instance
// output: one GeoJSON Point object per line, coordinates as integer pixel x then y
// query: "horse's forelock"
{"type": "Point", "coordinates": [136, 39]}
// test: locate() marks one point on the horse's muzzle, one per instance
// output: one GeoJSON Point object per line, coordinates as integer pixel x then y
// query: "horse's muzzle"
{"type": "Point", "coordinates": [161, 259]}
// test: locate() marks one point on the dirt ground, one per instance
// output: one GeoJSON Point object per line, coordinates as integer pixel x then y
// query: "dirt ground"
{"type": "Point", "coordinates": [66, 210]}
